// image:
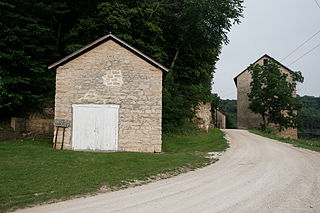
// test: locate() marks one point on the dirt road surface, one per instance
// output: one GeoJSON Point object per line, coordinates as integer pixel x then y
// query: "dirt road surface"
{"type": "Point", "coordinates": [254, 175]}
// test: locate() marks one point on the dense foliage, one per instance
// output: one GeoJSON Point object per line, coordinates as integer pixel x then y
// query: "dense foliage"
{"type": "Point", "coordinates": [230, 108]}
{"type": "Point", "coordinates": [184, 35]}
{"type": "Point", "coordinates": [216, 103]}
{"type": "Point", "coordinates": [271, 95]}
{"type": "Point", "coordinates": [310, 115]}
{"type": "Point", "coordinates": [27, 45]}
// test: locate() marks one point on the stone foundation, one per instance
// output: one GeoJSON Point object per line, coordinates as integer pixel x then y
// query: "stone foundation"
{"type": "Point", "coordinates": [18, 124]}
{"type": "Point", "coordinates": [8, 135]}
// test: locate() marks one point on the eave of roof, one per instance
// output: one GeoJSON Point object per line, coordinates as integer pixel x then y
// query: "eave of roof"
{"type": "Point", "coordinates": [265, 55]}
{"type": "Point", "coordinates": [221, 112]}
{"type": "Point", "coordinates": [100, 41]}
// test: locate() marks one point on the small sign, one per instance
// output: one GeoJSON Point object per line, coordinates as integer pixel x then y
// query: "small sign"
{"type": "Point", "coordinates": [61, 123]}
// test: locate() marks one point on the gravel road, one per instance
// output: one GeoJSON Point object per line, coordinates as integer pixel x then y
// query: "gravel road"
{"type": "Point", "coordinates": [254, 175]}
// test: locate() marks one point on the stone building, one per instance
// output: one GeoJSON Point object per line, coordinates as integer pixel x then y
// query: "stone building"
{"type": "Point", "coordinates": [108, 97]}
{"type": "Point", "coordinates": [220, 119]}
{"type": "Point", "coordinates": [246, 119]}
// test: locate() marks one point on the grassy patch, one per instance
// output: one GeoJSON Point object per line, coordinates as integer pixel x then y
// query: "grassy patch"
{"type": "Point", "coordinates": [307, 144]}
{"type": "Point", "coordinates": [213, 141]}
{"type": "Point", "coordinates": [32, 172]}
{"type": "Point", "coordinates": [186, 128]}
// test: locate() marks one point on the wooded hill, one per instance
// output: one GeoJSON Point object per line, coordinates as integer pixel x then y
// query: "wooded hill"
{"type": "Point", "coordinates": [230, 108]}
{"type": "Point", "coordinates": [184, 35]}
{"type": "Point", "coordinates": [310, 115]}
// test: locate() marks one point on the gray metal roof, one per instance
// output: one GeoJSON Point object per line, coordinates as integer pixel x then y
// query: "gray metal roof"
{"type": "Point", "coordinates": [100, 41]}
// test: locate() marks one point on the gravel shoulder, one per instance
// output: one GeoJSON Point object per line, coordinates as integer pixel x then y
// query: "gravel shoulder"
{"type": "Point", "coordinates": [255, 174]}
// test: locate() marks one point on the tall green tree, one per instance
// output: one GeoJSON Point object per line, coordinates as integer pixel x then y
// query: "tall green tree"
{"type": "Point", "coordinates": [27, 46]}
{"type": "Point", "coordinates": [272, 96]}
{"type": "Point", "coordinates": [136, 22]}
{"type": "Point", "coordinates": [216, 103]}
{"type": "Point", "coordinates": [194, 38]}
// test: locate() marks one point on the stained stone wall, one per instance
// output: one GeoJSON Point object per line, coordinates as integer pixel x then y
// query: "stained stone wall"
{"type": "Point", "coordinates": [39, 125]}
{"type": "Point", "coordinates": [246, 119]}
{"type": "Point", "coordinates": [203, 116]}
{"type": "Point", "coordinates": [110, 74]}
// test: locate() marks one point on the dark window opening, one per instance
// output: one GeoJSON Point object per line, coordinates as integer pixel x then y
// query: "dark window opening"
{"type": "Point", "coordinates": [265, 62]}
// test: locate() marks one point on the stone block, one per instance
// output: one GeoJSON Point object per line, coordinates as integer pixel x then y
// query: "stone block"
{"type": "Point", "coordinates": [18, 124]}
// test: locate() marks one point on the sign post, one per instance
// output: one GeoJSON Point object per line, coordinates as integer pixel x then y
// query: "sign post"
{"type": "Point", "coordinates": [63, 124]}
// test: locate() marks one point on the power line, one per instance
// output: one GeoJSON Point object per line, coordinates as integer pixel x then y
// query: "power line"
{"type": "Point", "coordinates": [305, 54]}
{"type": "Point", "coordinates": [317, 3]}
{"type": "Point", "coordinates": [301, 45]}
{"type": "Point", "coordinates": [304, 44]}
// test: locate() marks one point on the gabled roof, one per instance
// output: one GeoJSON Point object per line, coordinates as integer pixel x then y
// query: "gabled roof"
{"type": "Point", "coordinates": [265, 55]}
{"type": "Point", "coordinates": [220, 112]}
{"type": "Point", "coordinates": [100, 41]}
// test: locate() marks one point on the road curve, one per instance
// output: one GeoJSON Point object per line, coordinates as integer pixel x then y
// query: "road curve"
{"type": "Point", "coordinates": [254, 175]}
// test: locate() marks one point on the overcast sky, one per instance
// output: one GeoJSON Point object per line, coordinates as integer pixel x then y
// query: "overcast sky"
{"type": "Point", "coordinates": [276, 28]}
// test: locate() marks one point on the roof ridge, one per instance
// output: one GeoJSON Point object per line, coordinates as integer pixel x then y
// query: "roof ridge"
{"type": "Point", "coordinates": [98, 42]}
{"type": "Point", "coordinates": [265, 55]}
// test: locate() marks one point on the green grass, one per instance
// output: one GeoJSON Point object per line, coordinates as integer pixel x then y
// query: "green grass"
{"type": "Point", "coordinates": [213, 141]}
{"type": "Point", "coordinates": [31, 172]}
{"type": "Point", "coordinates": [307, 144]}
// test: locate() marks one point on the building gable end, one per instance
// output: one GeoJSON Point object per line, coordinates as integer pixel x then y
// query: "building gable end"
{"type": "Point", "coordinates": [265, 55]}
{"type": "Point", "coordinates": [99, 42]}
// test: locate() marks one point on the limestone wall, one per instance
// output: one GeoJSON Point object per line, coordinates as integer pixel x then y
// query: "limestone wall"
{"type": "Point", "coordinates": [110, 74]}
{"type": "Point", "coordinates": [220, 119]}
{"type": "Point", "coordinates": [203, 116]}
{"type": "Point", "coordinates": [246, 119]}
{"type": "Point", "coordinates": [8, 135]}
{"type": "Point", "coordinates": [289, 133]}
{"type": "Point", "coordinates": [38, 125]}
{"type": "Point", "coordinates": [34, 123]}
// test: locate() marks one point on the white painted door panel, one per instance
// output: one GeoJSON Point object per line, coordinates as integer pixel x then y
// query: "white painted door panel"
{"type": "Point", "coordinates": [95, 127]}
{"type": "Point", "coordinates": [83, 130]}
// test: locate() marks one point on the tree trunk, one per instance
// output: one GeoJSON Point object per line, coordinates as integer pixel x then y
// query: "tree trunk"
{"type": "Point", "coordinates": [59, 32]}
{"type": "Point", "coordinates": [153, 11]}
{"type": "Point", "coordinates": [264, 122]}
{"type": "Point", "coordinates": [175, 58]}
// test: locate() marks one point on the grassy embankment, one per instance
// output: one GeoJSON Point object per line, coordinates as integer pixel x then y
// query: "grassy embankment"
{"type": "Point", "coordinates": [307, 144]}
{"type": "Point", "coordinates": [32, 172]}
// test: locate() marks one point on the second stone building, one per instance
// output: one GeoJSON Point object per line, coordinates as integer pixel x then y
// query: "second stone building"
{"type": "Point", "coordinates": [246, 119]}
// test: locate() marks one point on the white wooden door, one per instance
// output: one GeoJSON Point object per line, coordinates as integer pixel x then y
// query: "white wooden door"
{"type": "Point", "coordinates": [95, 127]}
